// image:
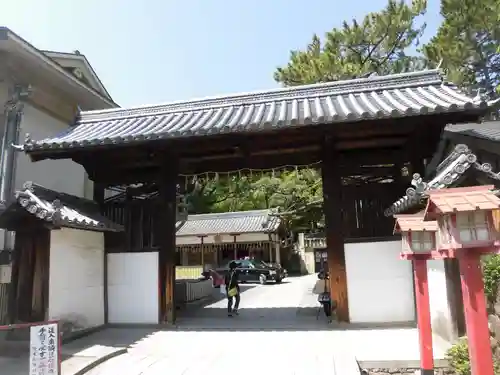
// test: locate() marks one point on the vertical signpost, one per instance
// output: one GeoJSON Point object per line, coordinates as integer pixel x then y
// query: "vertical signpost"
{"type": "Point", "coordinates": [45, 358]}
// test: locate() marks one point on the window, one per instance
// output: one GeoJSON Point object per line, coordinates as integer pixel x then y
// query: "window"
{"type": "Point", "coordinates": [246, 264]}
{"type": "Point", "coordinates": [473, 226]}
{"type": "Point", "coordinates": [421, 241]}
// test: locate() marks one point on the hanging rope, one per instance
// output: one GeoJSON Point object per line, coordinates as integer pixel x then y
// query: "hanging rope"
{"type": "Point", "coordinates": [252, 171]}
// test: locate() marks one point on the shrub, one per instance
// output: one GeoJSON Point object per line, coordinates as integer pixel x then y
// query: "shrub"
{"type": "Point", "coordinates": [491, 276]}
{"type": "Point", "coordinates": [458, 357]}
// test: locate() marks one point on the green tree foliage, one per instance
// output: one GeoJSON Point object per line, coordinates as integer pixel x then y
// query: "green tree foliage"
{"type": "Point", "coordinates": [296, 194]}
{"type": "Point", "coordinates": [377, 44]}
{"type": "Point", "coordinates": [491, 276]}
{"type": "Point", "coordinates": [467, 43]}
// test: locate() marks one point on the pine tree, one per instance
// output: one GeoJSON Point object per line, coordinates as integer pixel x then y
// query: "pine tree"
{"type": "Point", "coordinates": [467, 43]}
{"type": "Point", "coordinates": [378, 44]}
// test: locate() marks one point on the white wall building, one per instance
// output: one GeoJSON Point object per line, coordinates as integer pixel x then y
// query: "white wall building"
{"type": "Point", "coordinates": [59, 84]}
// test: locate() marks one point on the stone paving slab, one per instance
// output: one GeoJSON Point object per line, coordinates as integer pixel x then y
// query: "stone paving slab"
{"type": "Point", "coordinates": [190, 353]}
{"type": "Point", "coordinates": [78, 357]}
{"type": "Point", "coordinates": [87, 359]}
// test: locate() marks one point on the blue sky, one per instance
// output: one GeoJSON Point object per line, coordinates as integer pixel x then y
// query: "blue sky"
{"type": "Point", "coordinates": [153, 51]}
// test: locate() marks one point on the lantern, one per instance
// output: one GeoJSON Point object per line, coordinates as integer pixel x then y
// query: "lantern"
{"type": "Point", "coordinates": [464, 216]}
{"type": "Point", "coordinates": [418, 236]}
{"type": "Point", "coordinates": [466, 231]}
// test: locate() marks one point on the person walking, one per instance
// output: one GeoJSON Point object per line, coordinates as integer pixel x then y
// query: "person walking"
{"type": "Point", "coordinates": [322, 289]}
{"type": "Point", "coordinates": [232, 289]}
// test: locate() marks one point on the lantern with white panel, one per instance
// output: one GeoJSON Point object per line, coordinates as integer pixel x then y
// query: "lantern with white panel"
{"type": "Point", "coordinates": [466, 231]}
{"type": "Point", "coordinates": [418, 236]}
{"type": "Point", "coordinates": [418, 243]}
{"type": "Point", "coordinates": [464, 217]}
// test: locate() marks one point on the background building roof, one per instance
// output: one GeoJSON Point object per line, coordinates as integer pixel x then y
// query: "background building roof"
{"type": "Point", "coordinates": [256, 221]}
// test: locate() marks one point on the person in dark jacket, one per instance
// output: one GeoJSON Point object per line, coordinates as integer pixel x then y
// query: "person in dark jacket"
{"type": "Point", "coordinates": [231, 281]}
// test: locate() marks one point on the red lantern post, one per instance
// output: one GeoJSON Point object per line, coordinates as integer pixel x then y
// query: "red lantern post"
{"type": "Point", "coordinates": [466, 231]}
{"type": "Point", "coordinates": [418, 241]}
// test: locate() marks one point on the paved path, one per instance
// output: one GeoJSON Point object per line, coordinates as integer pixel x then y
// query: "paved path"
{"type": "Point", "coordinates": [276, 332]}
{"type": "Point", "coordinates": [77, 355]}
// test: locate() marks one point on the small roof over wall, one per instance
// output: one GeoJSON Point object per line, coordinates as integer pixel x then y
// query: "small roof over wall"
{"type": "Point", "coordinates": [448, 174]}
{"type": "Point", "coordinates": [55, 209]}
{"type": "Point", "coordinates": [462, 199]}
{"type": "Point", "coordinates": [415, 222]}
{"type": "Point", "coordinates": [488, 130]}
{"type": "Point", "coordinates": [256, 221]}
{"type": "Point", "coordinates": [374, 98]}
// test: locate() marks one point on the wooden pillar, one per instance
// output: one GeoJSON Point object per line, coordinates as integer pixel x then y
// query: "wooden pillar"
{"type": "Point", "coordinates": [423, 316]}
{"type": "Point", "coordinates": [13, 295]}
{"type": "Point", "coordinates": [332, 204]}
{"type": "Point", "coordinates": [99, 196]}
{"type": "Point", "coordinates": [476, 318]}
{"type": "Point", "coordinates": [202, 252]}
{"type": "Point", "coordinates": [165, 231]}
{"type": "Point", "coordinates": [235, 244]}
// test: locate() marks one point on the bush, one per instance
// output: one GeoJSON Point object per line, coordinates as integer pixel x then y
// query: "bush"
{"type": "Point", "coordinates": [491, 276]}
{"type": "Point", "coordinates": [458, 357]}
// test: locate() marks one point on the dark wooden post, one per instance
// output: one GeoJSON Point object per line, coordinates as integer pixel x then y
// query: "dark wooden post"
{"type": "Point", "coordinates": [99, 196]}
{"type": "Point", "coordinates": [332, 203]}
{"type": "Point", "coordinates": [165, 232]}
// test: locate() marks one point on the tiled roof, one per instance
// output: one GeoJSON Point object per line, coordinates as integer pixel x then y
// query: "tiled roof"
{"type": "Point", "coordinates": [449, 171]}
{"type": "Point", "coordinates": [405, 223]}
{"type": "Point", "coordinates": [489, 130]}
{"type": "Point", "coordinates": [462, 199]}
{"type": "Point", "coordinates": [60, 209]}
{"type": "Point", "coordinates": [400, 95]}
{"type": "Point", "coordinates": [256, 221]}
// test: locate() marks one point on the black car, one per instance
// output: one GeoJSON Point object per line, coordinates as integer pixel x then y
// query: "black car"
{"type": "Point", "coordinates": [250, 270]}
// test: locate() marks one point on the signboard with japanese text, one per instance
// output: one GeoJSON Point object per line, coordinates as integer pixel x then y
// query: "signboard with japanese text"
{"type": "Point", "coordinates": [44, 349]}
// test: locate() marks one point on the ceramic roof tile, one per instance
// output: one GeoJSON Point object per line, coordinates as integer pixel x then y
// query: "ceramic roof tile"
{"type": "Point", "coordinates": [489, 130]}
{"type": "Point", "coordinates": [229, 222]}
{"type": "Point", "coordinates": [448, 173]}
{"type": "Point", "coordinates": [400, 95]}
{"type": "Point", "coordinates": [61, 209]}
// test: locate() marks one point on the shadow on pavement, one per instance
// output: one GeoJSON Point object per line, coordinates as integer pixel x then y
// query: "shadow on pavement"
{"type": "Point", "coordinates": [214, 298]}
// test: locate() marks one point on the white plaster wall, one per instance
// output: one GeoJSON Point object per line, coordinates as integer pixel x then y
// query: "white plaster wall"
{"type": "Point", "coordinates": [61, 175]}
{"type": "Point", "coordinates": [225, 238]}
{"type": "Point", "coordinates": [441, 318]}
{"type": "Point", "coordinates": [379, 284]}
{"type": "Point", "coordinates": [133, 288]}
{"type": "Point", "coordinates": [76, 282]}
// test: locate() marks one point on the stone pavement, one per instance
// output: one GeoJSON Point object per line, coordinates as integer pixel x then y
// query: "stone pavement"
{"type": "Point", "coordinates": [276, 330]}
{"type": "Point", "coordinates": [269, 335]}
{"type": "Point", "coordinates": [78, 356]}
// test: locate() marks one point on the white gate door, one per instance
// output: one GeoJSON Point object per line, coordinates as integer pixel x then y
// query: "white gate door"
{"type": "Point", "coordinates": [379, 283]}
{"type": "Point", "coordinates": [133, 288]}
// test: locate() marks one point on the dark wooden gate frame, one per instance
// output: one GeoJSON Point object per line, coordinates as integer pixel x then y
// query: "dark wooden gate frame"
{"type": "Point", "coordinates": [357, 150]}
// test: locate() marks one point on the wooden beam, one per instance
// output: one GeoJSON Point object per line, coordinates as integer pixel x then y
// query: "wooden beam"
{"type": "Point", "coordinates": [165, 231]}
{"type": "Point", "coordinates": [381, 171]}
{"type": "Point", "coordinates": [370, 143]}
{"type": "Point", "coordinates": [349, 161]}
{"type": "Point", "coordinates": [332, 190]}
